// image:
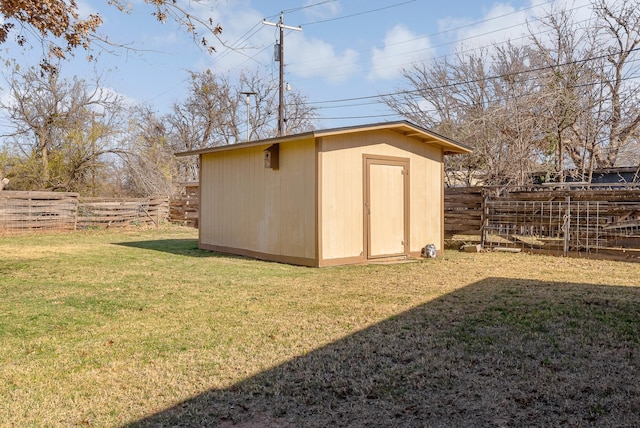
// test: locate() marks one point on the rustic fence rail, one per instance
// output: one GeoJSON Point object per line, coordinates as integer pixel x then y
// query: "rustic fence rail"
{"type": "Point", "coordinates": [583, 221]}
{"type": "Point", "coordinates": [592, 221]}
{"type": "Point", "coordinates": [463, 211]}
{"type": "Point", "coordinates": [96, 212]}
{"type": "Point", "coordinates": [34, 211]}
{"type": "Point", "coordinates": [58, 211]}
{"type": "Point", "coordinates": [185, 209]}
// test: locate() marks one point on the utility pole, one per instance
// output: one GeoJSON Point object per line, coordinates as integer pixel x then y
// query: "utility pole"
{"type": "Point", "coordinates": [248, 94]}
{"type": "Point", "coordinates": [280, 58]}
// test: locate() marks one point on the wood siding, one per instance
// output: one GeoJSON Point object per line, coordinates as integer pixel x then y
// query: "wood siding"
{"type": "Point", "coordinates": [252, 208]}
{"type": "Point", "coordinates": [342, 191]}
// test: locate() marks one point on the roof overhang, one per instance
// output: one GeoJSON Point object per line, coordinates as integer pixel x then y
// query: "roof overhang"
{"type": "Point", "coordinates": [403, 127]}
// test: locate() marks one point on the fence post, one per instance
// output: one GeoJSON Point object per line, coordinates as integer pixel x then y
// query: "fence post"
{"type": "Point", "coordinates": [484, 218]}
{"type": "Point", "coordinates": [76, 202]}
{"type": "Point", "coordinates": [566, 225]}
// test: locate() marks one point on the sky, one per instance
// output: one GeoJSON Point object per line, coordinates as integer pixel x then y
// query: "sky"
{"type": "Point", "coordinates": [347, 54]}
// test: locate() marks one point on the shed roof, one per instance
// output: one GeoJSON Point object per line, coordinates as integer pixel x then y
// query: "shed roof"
{"type": "Point", "coordinates": [404, 127]}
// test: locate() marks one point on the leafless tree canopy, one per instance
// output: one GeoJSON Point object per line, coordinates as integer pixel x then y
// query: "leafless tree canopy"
{"type": "Point", "coordinates": [148, 164]}
{"type": "Point", "coordinates": [215, 113]}
{"type": "Point", "coordinates": [565, 101]}
{"type": "Point", "coordinates": [72, 135]}
{"type": "Point", "coordinates": [58, 131]}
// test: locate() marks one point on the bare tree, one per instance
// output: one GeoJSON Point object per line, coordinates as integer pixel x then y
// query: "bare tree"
{"type": "Point", "coordinates": [570, 97]}
{"type": "Point", "coordinates": [482, 98]}
{"type": "Point", "coordinates": [208, 116]}
{"type": "Point", "coordinates": [513, 119]}
{"type": "Point", "coordinates": [562, 52]}
{"type": "Point", "coordinates": [299, 116]}
{"type": "Point", "coordinates": [148, 161]}
{"type": "Point", "coordinates": [444, 95]}
{"type": "Point", "coordinates": [591, 103]}
{"type": "Point", "coordinates": [214, 114]}
{"type": "Point", "coordinates": [60, 131]}
{"type": "Point", "coordinates": [619, 23]}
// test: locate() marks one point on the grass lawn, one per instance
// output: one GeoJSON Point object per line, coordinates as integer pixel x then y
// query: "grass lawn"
{"type": "Point", "coordinates": [140, 328]}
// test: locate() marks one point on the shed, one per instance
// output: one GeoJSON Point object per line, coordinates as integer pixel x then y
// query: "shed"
{"type": "Point", "coordinates": [329, 197]}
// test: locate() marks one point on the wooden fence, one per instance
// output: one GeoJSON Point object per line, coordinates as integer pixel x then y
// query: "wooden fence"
{"type": "Point", "coordinates": [185, 209]}
{"type": "Point", "coordinates": [593, 221]}
{"type": "Point", "coordinates": [33, 211]}
{"type": "Point", "coordinates": [463, 211]}
{"type": "Point", "coordinates": [114, 212]}
{"type": "Point", "coordinates": [57, 211]}
{"type": "Point", "coordinates": [587, 221]}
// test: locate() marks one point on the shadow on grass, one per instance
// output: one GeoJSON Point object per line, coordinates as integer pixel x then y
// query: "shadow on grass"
{"type": "Point", "coordinates": [182, 247]}
{"type": "Point", "coordinates": [500, 352]}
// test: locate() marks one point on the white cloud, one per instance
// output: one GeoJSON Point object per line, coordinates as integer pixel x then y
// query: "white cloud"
{"type": "Point", "coordinates": [251, 43]}
{"type": "Point", "coordinates": [401, 48]}
{"type": "Point", "coordinates": [108, 92]}
{"type": "Point", "coordinates": [322, 11]}
{"type": "Point", "coordinates": [498, 24]}
{"type": "Point", "coordinates": [305, 57]}
{"type": "Point", "coordinates": [244, 43]}
{"type": "Point", "coordinates": [316, 58]}
{"type": "Point", "coordinates": [503, 22]}
{"type": "Point", "coordinates": [6, 97]}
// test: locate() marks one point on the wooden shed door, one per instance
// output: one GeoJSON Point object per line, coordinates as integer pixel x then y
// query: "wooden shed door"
{"type": "Point", "coordinates": [386, 207]}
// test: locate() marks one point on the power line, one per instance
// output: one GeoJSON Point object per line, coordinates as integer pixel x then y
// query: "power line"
{"type": "Point", "coordinates": [416, 92]}
{"type": "Point", "coordinates": [262, 49]}
{"type": "Point", "coordinates": [358, 14]}
{"type": "Point", "coordinates": [233, 47]}
{"type": "Point", "coordinates": [471, 49]}
{"type": "Point", "coordinates": [373, 98]}
{"type": "Point", "coordinates": [308, 6]}
{"type": "Point", "coordinates": [475, 23]}
{"type": "Point", "coordinates": [452, 42]}
{"type": "Point", "coordinates": [483, 21]}
{"type": "Point", "coordinates": [363, 117]}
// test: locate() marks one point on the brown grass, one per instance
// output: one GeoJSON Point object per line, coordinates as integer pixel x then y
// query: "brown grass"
{"type": "Point", "coordinates": [141, 328]}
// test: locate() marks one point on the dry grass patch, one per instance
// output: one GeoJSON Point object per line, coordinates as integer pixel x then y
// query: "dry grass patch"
{"type": "Point", "coordinates": [139, 327]}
